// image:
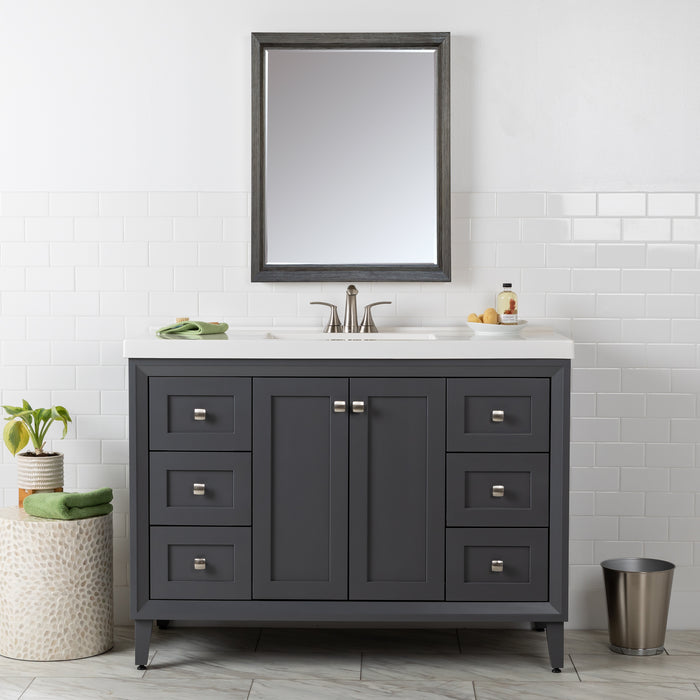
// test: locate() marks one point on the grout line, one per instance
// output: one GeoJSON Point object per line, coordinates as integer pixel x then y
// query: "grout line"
{"type": "Point", "coordinates": [476, 697]}
{"type": "Point", "coordinates": [571, 659]}
{"type": "Point", "coordinates": [362, 662]}
{"type": "Point", "coordinates": [29, 685]}
{"type": "Point", "coordinates": [250, 688]}
{"type": "Point", "coordinates": [257, 641]}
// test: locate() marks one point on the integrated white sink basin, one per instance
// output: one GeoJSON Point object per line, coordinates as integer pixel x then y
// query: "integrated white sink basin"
{"type": "Point", "coordinates": [314, 335]}
{"type": "Point", "coordinates": [407, 343]}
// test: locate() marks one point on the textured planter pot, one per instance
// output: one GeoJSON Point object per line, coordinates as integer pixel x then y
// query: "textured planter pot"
{"type": "Point", "coordinates": [36, 474]}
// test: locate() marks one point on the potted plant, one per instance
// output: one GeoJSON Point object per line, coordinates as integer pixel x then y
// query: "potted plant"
{"type": "Point", "coordinates": [36, 470]}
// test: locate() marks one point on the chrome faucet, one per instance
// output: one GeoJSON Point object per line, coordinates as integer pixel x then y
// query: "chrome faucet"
{"type": "Point", "coordinates": [350, 324]}
{"type": "Point", "coordinates": [350, 317]}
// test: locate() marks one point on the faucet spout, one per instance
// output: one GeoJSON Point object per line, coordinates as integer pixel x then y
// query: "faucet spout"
{"type": "Point", "coordinates": [350, 324]}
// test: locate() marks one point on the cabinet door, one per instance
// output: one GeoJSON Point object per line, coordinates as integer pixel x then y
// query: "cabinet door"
{"type": "Point", "coordinates": [397, 489]}
{"type": "Point", "coordinates": [300, 489]}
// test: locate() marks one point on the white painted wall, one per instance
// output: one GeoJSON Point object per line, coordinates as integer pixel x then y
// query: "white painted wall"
{"type": "Point", "coordinates": [551, 95]}
{"type": "Point", "coordinates": [124, 180]}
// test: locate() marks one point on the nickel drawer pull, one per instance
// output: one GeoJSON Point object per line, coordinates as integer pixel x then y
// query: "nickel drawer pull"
{"type": "Point", "coordinates": [198, 489]}
{"type": "Point", "coordinates": [200, 564]}
{"type": "Point", "coordinates": [339, 406]}
{"type": "Point", "coordinates": [200, 413]}
{"type": "Point", "coordinates": [497, 566]}
{"type": "Point", "coordinates": [498, 491]}
{"type": "Point", "coordinates": [358, 406]}
{"type": "Point", "coordinates": [497, 416]}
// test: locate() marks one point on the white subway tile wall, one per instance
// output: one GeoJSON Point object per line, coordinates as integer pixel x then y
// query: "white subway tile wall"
{"type": "Point", "coordinates": [617, 271]}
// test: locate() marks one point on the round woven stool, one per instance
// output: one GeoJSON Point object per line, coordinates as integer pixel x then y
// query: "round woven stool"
{"type": "Point", "coordinates": [55, 587]}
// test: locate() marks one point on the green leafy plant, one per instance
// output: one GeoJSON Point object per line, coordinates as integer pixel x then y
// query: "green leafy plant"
{"type": "Point", "coordinates": [27, 423]}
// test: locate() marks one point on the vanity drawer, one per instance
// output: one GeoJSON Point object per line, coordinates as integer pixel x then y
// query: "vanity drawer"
{"type": "Point", "coordinates": [498, 414]}
{"type": "Point", "coordinates": [496, 564]}
{"type": "Point", "coordinates": [498, 490]}
{"type": "Point", "coordinates": [200, 488]}
{"type": "Point", "coordinates": [199, 413]}
{"type": "Point", "coordinates": [221, 555]}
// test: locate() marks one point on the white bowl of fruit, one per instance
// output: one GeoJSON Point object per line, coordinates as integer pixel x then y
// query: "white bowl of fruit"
{"type": "Point", "coordinates": [489, 324]}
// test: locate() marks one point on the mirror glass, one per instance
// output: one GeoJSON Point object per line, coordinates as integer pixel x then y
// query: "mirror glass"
{"type": "Point", "coordinates": [350, 157]}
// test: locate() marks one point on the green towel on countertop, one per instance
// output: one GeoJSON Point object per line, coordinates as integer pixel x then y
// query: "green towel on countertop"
{"type": "Point", "coordinates": [192, 329]}
{"type": "Point", "coordinates": [69, 506]}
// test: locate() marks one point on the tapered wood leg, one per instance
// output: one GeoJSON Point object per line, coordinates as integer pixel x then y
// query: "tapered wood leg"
{"type": "Point", "coordinates": [142, 642]}
{"type": "Point", "coordinates": [555, 645]}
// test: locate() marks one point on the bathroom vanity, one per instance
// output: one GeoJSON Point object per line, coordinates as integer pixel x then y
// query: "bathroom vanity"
{"type": "Point", "coordinates": [399, 479]}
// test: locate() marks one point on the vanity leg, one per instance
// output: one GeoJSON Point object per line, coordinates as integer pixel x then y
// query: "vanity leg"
{"type": "Point", "coordinates": [555, 645]}
{"type": "Point", "coordinates": [142, 641]}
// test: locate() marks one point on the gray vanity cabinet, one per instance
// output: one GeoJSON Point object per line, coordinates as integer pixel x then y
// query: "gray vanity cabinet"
{"type": "Point", "coordinates": [335, 492]}
{"type": "Point", "coordinates": [391, 433]}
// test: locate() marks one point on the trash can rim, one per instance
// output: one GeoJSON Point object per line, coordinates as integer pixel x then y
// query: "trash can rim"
{"type": "Point", "coordinates": [637, 565]}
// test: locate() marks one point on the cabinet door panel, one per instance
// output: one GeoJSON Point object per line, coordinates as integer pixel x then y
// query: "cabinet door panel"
{"type": "Point", "coordinates": [300, 472]}
{"type": "Point", "coordinates": [397, 489]}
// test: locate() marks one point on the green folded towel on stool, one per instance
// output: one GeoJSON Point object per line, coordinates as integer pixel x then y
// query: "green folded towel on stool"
{"type": "Point", "coordinates": [69, 506]}
{"type": "Point", "coordinates": [192, 329]}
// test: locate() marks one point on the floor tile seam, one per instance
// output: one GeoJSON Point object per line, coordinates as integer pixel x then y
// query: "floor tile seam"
{"type": "Point", "coordinates": [29, 685]}
{"type": "Point", "coordinates": [661, 682]}
{"type": "Point", "coordinates": [578, 675]}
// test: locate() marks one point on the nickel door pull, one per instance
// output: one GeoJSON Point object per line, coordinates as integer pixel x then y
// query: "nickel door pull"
{"type": "Point", "coordinates": [497, 416]}
{"type": "Point", "coordinates": [200, 564]}
{"type": "Point", "coordinates": [498, 491]}
{"type": "Point", "coordinates": [358, 406]}
{"type": "Point", "coordinates": [198, 489]}
{"type": "Point", "coordinates": [339, 406]}
{"type": "Point", "coordinates": [497, 566]}
{"type": "Point", "coordinates": [200, 413]}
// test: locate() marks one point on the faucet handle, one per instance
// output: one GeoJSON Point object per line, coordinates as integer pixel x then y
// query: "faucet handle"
{"type": "Point", "coordinates": [333, 325]}
{"type": "Point", "coordinates": [367, 325]}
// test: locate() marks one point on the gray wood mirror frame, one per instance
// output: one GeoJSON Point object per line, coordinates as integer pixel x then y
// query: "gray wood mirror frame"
{"type": "Point", "coordinates": [350, 157]}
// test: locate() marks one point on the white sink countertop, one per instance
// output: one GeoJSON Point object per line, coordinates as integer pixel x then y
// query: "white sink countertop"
{"type": "Point", "coordinates": [533, 342]}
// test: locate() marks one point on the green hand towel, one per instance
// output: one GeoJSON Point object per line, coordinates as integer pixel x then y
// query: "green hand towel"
{"type": "Point", "coordinates": [69, 506]}
{"type": "Point", "coordinates": [192, 329]}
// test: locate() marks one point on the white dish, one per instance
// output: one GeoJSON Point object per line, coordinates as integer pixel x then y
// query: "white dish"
{"type": "Point", "coordinates": [504, 330]}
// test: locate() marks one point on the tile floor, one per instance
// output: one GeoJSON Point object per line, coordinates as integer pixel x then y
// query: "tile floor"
{"type": "Point", "coordinates": [289, 664]}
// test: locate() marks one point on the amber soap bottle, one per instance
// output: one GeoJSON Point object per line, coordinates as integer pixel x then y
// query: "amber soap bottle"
{"type": "Point", "coordinates": [507, 305]}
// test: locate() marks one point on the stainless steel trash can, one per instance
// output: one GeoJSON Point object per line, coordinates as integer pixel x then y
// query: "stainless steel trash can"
{"type": "Point", "coordinates": [638, 592]}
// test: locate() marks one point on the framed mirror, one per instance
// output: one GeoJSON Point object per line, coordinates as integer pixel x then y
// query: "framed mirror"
{"type": "Point", "coordinates": [350, 157]}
